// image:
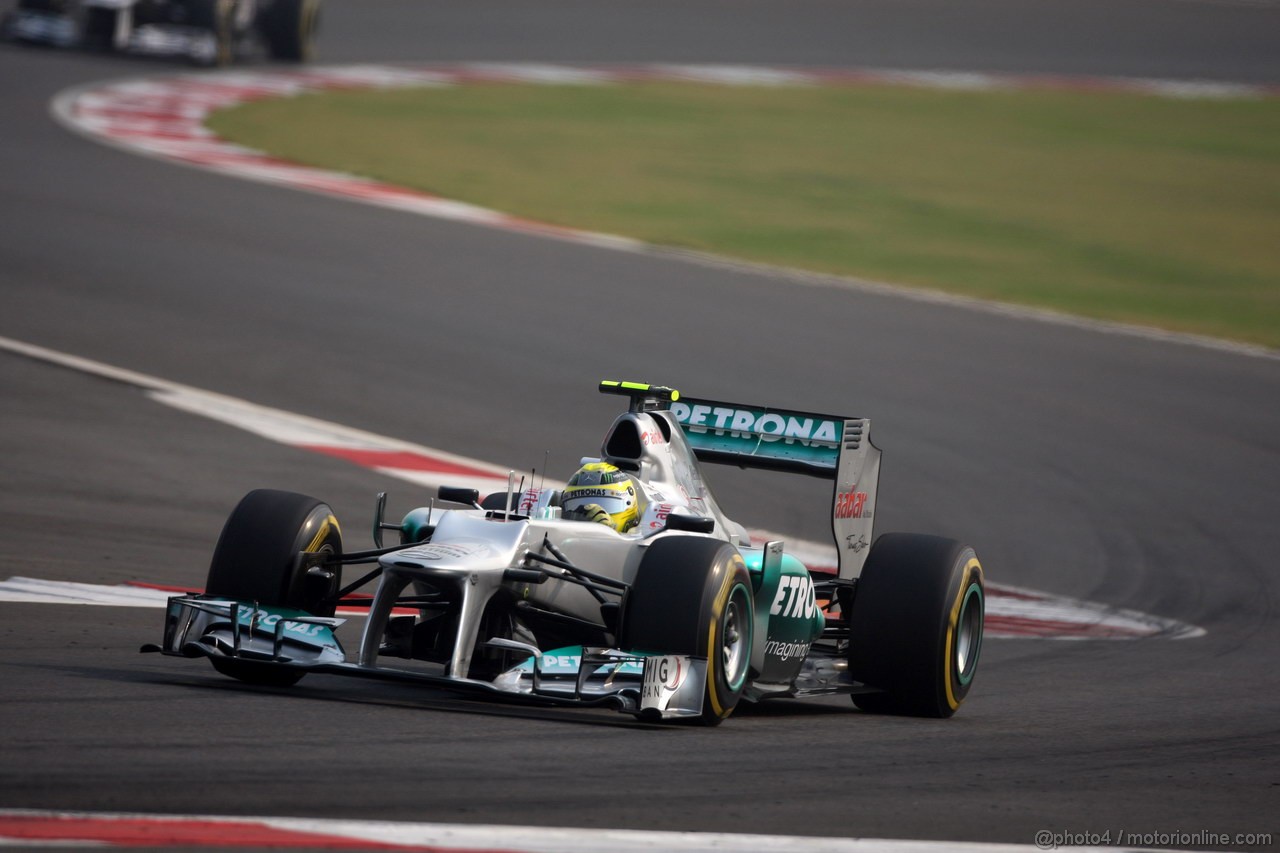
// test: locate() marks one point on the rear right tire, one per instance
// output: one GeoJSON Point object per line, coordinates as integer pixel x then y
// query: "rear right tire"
{"type": "Point", "coordinates": [916, 625]}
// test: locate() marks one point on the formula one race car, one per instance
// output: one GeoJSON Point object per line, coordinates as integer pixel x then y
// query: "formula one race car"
{"type": "Point", "coordinates": [627, 587]}
{"type": "Point", "coordinates": [208, 32]}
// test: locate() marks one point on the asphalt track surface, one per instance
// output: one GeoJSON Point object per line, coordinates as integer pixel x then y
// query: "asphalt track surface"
{"type": "Point", "coordinates": [1088, 464]}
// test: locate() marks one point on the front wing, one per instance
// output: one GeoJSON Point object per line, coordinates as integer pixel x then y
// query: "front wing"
{"type": "Point", "coordinates": [648, 686]}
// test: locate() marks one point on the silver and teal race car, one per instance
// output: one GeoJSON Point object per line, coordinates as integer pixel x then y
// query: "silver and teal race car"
{"type": "Point", "coordinates": [628, 587]}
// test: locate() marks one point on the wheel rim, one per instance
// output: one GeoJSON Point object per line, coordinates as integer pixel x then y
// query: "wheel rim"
{"type": "Point", "coordinates": [969, 634]}
{"type": "Point", "coordinates": [319, 534]}
{"type": "Point", "coordinates": [735, 639]}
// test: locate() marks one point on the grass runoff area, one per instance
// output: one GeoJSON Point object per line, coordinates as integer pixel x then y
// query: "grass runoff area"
{"type": "Point", "coordinates": [1158, 211]}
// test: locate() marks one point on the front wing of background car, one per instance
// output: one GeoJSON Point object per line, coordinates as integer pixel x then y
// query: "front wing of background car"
{"type": "Point", "coordinates": [57, 29]}
{"type": "Point", "coordinates": [40, 27]}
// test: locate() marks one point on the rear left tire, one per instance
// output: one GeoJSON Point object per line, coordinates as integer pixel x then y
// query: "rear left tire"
{"type": "Point", "coordinates": [692, 596]}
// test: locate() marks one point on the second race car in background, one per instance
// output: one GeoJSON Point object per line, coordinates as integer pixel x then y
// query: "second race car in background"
{"type": "Point", "coordinates": [208, 32]}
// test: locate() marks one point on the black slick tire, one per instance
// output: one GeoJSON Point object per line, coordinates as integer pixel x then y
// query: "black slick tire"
{"type": "Point", "coordinates": [916, 625]}
{"type": "Point", "coordinates": [289, 28]}
{"type": "Point", "coordinates": [692, 596]}
{"type": "Point", "coordinates": [255, 560]}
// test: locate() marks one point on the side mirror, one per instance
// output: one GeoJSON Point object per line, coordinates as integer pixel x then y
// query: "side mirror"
{"type": "Point", "coordinates": [691, 523]}
{"type": "Point", "coordinates": [471, 497]}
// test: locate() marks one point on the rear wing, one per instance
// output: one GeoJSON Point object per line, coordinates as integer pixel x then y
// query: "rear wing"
{"type": "Point", "coordinates": [833, 447]}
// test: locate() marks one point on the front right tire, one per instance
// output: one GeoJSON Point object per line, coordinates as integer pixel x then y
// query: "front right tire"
{"type": "Point", "coordinates": [256, 561]}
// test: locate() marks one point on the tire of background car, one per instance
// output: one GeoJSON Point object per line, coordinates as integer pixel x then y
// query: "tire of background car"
{"type": "Point", "coordinates": [289, 28]}
{"type": "Point", "coordinates": [692, 596]}
{"type": "Point", "coordinates": [215, 16]}
{"type": "Point", "coordinates": [255, 560]}
{"type": "Point", "coordinates": [916, 625]}
{"type": "Point", "coordinates": [98, 27]}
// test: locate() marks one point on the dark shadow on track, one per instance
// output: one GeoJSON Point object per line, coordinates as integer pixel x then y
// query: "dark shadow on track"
{"type": "Point", "coordinates": [433, 699]}
{"type": "Point", "coordinates": [424, 698]}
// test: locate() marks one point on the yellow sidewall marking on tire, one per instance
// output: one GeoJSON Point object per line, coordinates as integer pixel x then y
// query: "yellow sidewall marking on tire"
{"type": "Point", "coordinates": [323, 533]}
{"type": "Point", "coordinates": [306, 25]}
{"type": "Point", "coordinates": [222, 26]}
{"type": "Point", "coordinates": [971, 568]}
{"type": "Point", "coordinates": [722, 598]}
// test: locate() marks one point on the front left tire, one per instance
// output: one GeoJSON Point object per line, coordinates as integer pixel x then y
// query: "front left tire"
{"type": "Point", "coordinates": [692, 596]}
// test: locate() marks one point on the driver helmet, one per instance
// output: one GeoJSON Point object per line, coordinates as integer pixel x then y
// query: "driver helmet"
{"type": "Point", "coordinates": [603, 493]}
